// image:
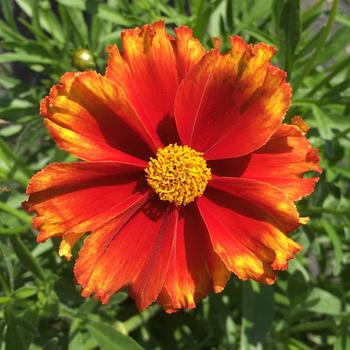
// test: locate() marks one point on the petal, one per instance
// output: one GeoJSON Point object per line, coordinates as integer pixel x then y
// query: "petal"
{"type": "Point", "coordinates": [114, 255]}
{"type": "Point", "coordinates": [74, 198]}
{"type": "Point", "coordinates": [229, 105]}
{"type": "Point", "coordinates": [194, 269]}
{"type": "Point", "coordinates": [282, 162]}
{"type": "Point", "coordinates": [149, 282]}
{"type": "Point", "coordinates": [188, 50]}
{"type": "Point", "coordinates": [90, 117]}
{"type": "Point", "coordinates": [68, 241]}
{"type": "Point", "coordinates": [248, 222]}
{"type": "Point", "coordinates": [147, 72]}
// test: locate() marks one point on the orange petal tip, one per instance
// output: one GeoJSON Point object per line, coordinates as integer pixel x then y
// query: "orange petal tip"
{"type": "Point", "coordinates": [300, 124]}
{"type": "Point", "coordinates": [304, 220]}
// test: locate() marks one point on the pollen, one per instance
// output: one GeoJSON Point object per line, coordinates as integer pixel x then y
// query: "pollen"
{"type": "Point", "coordinates": [178, 174]}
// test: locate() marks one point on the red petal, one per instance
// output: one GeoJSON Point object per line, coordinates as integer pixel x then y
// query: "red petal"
{"type": "Point", "coordinates": [229, 105]}
{"type": "Point", "coordinates": [188, 50]}
{"type": "Point", "coordinates": [147, 73]}
{"type": "Point", "coordinates": [248, 222]}
{"type": "Point", "coordinates": [90, 117]}
{"type": "Point", "coordinates": [282, 162]}
{"type": "Point", "coordinates": [151, 277]}
{"type": "Point", "coordinates": [194, 269]}
{"type": "Point", "coordinates": [72, 198]}
{"type": "Point", "coordinates": [114, 256]}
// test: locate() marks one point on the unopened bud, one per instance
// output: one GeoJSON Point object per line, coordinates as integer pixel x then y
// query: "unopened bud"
{"type": "Point", "coordinates": [83, 59]}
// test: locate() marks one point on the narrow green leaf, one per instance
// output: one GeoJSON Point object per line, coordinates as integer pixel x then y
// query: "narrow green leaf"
{"type": "Point", "coordinates": [14, 230]}
{"type": "Point", "coordinates": [78, 22]}
{"type": "Point", "coordinates": [343, 19]}
{"type": "Point", "coordinates": [36, 18]}
{"type": "Point", "coordinates": [230, 18]}
{"type": "Point", "coordinates": [336, 69]}
{"type": "Point", "coordinates": [180, 6]}
{"type": "Point", "coordinates": [24, 57]}
{"type": "Point", "coordinates": [19, 214]}
{"type": "Point", "coordinates": [257, 314]}
{"type": "Point", "coordinates": [337, 89]}
{"type": "Point", "coordinates": [109, 338]}
{"type": "Point", "coordinates": [50, 22]}
{"type": "Point", "coordinates": [202, 19]}
{"type": "Point", "coordinates": [100, 10]}
{"type": "Point", "coordinates": [321, 120]}
{"type": "Point", "coordinates": [312, 326]}
{"type": "Point", "coordinates": [295, 344]}
{"type": "Point", "coordinates": [7, 9]}
{"type": "Point", "coordinates": [13, 338]}
{"type": "Point", "coordinates": [288, 31]}
{"type": "Point", "coordinates": [26, 258]}
{"type": "Point", "coordinates": [9, 34]}
{"type": "Point", "coordinates": [310, 63]}
{"type": "Point", "coordinates": [337, 246]}
{"type": "Point", "coordinates": [311, 14]}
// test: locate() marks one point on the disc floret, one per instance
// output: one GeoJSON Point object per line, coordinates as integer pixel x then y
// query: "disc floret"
{"type": "Point", "coordinates": [178, 174]}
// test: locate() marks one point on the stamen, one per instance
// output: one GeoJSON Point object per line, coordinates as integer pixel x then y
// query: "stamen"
{"type": "Point", "coordinates": [179, 174]}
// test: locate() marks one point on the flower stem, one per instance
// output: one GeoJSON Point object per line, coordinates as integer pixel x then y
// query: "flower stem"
{"type": "Point", "coordinates": [136, 321]}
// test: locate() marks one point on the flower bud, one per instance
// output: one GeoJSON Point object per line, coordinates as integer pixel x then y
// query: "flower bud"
{"type": "Point", "coordinates": [83, 59]}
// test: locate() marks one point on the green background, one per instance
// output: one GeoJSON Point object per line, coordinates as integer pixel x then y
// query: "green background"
{"type": "Point", "coordinates": [308, 307]}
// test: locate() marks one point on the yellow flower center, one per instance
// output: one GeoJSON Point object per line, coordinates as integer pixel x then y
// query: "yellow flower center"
{"type": "Point", "coordinates": [179, 174]}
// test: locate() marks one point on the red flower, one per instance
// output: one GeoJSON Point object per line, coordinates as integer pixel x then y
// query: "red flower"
{"type": "Point", "coordinates": [187, 172]}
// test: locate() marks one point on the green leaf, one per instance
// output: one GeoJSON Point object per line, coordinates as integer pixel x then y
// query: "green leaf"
{"type": "Point", "coordinates": [25, 292]}
{"type": "Point", "coordinates": [7, 9]}
{"type": "Point", "coordinates": [337, 246]}
{"type": "Point", "coordinates": [13, 338]}
{"type": "Point", "coordinates": [26, 258]}
{"type": "Point", "coordinates": [336, 69]}
{"type": "Point", "coordinates": [79, 24]}
{"type": "Point", "coordinates": [311, 326]}
{"type": "Point", "coordinates": [288, 31]}
{"type": "Point", "coordinates": [343, 19]}
{"type": "Point", "coordinates": [257, 314]}
{"type": "Point", "coordinates": [322, 123]}
{"type": "Point", "coordinates": [25, 58]}
{"type": "Point", "coordinates": [102, 11]}
{"type": "Point", "coordinates": [109, 338]}
{"type": "Point", "coordinates": [310, 63]}
{"type": "Point", "coordinates": [52, 344]}
{"type": "Point", "coordinates": [322, 302]}
{"type": "Point", "coordinates": [337, 89]}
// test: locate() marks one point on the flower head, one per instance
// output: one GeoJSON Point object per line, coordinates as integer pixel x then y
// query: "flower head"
{"type": "Point", "coordinates": [187, 172]}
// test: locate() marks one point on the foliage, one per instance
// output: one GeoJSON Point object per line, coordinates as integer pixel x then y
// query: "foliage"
{"type": "Point", "coordinates": [308, 307]}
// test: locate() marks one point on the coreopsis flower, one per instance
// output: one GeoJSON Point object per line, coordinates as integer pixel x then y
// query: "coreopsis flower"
{"type": "Point", "coordinates": [187, 172]}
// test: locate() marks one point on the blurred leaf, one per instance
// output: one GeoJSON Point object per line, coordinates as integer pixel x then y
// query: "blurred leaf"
{"type": "Point", "coordinates": [13, 339]}
{"type": "Point", "coordinates": [25, 257]}
{"type": "Point", "coordinates": [288, 30]}
{"type": "Point", "coordinates": [322, 302]}
{"type": "Point", "coordinates": [343, 19]}
{"type": "Point", "coordinates": [100, 10]}
{"type": "Point", "coordinates": [109, 338]}
{"type": "Point", "coordinates": [310, 62]}
{"type": "Point", "coordinates": [336, 242]}
{"type": "Point", "coordinates": [322, 123]}
{"type": "Point", "coordinates": [24, 57]}
{"type": "Point", "coordinates": [257, 314]}
{"type": "Point", "coordinates": [52, 344]}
